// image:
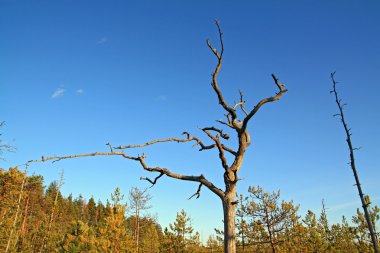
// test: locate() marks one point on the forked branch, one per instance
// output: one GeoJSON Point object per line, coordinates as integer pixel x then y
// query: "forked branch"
{"type": "Point", "coordinates": [231, 111]}
{"type": "Point", "coordinates": [201, 179]}
{"type": "Point", "coordinates": [242, 102]}
{"type": "Point", "coordinates": [278, 95]}
{"type": "Point", "coordinates": [154, 181]}
{"type": "Point", "coordinates": [198, 193]}
{"type": "Point", "coordinates": [219, 146]}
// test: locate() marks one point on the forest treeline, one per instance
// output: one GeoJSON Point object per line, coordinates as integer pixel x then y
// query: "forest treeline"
{"type": "Point", "coordinates": [35, 218]}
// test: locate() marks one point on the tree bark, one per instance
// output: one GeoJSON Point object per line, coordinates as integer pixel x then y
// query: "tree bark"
{"type": "Point", "coordinates": [229, 211]}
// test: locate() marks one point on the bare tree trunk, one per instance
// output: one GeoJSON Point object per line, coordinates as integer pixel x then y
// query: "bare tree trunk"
{"type": "Point", "coordinates": [353, 167]}
{"type": "Point", "coordinates": [229, 211]}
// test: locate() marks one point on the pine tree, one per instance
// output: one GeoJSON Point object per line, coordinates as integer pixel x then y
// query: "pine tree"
{"type": "Point", "coordinates": [168, 240]}
{"type": "Point", "coordinates": [113, 234]}
{"type": "Point", "coordinates": [12, 195]}
{"type": "Point", "coordinates": [150, 241]}
{"type": "Point", "coordinates": [212, 244]}
{"type": "Point", "coordinates": [181, 228]}
{"type": "Point", "coordinates": [31, 213]}
{"type": "Point", "coordinates": [323, 229]}
{"type": "Point", "coordinates": [343, 236]}
{"type": "Point", "coordinates": [361, 231]}
{"type": "Point", "coordinates": [92, 219]}
{"type": "Point", "coordinates": [269, 219]}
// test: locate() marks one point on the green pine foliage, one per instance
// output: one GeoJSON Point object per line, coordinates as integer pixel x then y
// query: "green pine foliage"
{"type": "Point", "coordinates": [43, 220]}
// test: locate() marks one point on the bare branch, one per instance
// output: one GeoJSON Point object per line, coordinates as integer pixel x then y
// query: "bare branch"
{"type": "Point", "coordinates": [224, 123]}
{"type": "Point", "coordinates": [237, 104]}
{"type": "Point", "coordinates": [163, 171]}
{"type": "Point", "coordinates": [223, 135]}
{"type": "Point", "coordinates": [154, 181]}
{"type": "Point", "coordinates": [212, 146]}
{"type": "Point", "coordinates": [201, 179]}
{"type": "Point", "coordinates": [278, 95]}
{"type": "Point", "coordinates": [220, 148]}
{"type": "Point", "coordinates": [232, 152]}
{"type": "Point", "coordinates": [187, 139]}
{"type": "Point", "coordinates": [242, 103]}
{"type": "Point", "coordinates": [109, 144]}
{"type": "Point", "coordinates": [5, 147]}
{"type": "Point", "coordinates": [198, 193]}
{"type": "Point", "coordinates": [59, 158]}
{"type": "Point", "coordinates": [214, 82]}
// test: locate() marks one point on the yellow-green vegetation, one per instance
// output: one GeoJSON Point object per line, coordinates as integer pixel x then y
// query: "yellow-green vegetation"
{"type": "Point", "coordinates": [264, 224]}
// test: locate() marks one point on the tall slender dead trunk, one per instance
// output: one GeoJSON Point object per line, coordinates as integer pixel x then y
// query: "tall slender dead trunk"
{"type": "Point", "coordinates": [353, 166]}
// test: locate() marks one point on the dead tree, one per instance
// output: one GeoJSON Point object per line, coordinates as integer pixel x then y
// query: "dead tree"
{"type": "Point", "coordinates": [5, 147]}
{"type": "Point", "coordinates": [138, 202]}
{"type": "Point", "coordinates": [217, 136]}
{"type": "Point", "coordinates": [352, 162]}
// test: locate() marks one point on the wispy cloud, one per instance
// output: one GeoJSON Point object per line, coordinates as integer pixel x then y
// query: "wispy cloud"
{"type": "Point", "coordinates": [79, 91]}
{"type": "Point", "coordinates": [348, 204]}
{"type": "Point", "coordinates": [102, 40]}
{"type": "Point", "coordinates": [344, 205]}
{"type": "Point", "coordinates": [161, 98]}
{"type": "Point", "coordinates": [58, 93]}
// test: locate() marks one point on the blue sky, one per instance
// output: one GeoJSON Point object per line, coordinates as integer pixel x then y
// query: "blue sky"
{"type": "Point", "coordinates": [75, 75]}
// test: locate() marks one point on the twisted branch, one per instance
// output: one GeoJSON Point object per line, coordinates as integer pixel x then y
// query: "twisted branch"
{"type": "Point", "coordinates": [198, 193]}
{"type": "Point", "coordinates": [278, 95]}
{"type": "Point", "coordinates": [214, 82]}
{"type": "Point", "coordinates": [154, 181]}
{"type": "Point", "coordinates": [201, 179]}
{"type": "Point", "coordinates": [219, 146]}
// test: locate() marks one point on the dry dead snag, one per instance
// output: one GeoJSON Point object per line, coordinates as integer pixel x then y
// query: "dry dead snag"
{"type": "Point", "coordinates": [352, 163]}
{"type": "Point", "coordinates": [216, 136]}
